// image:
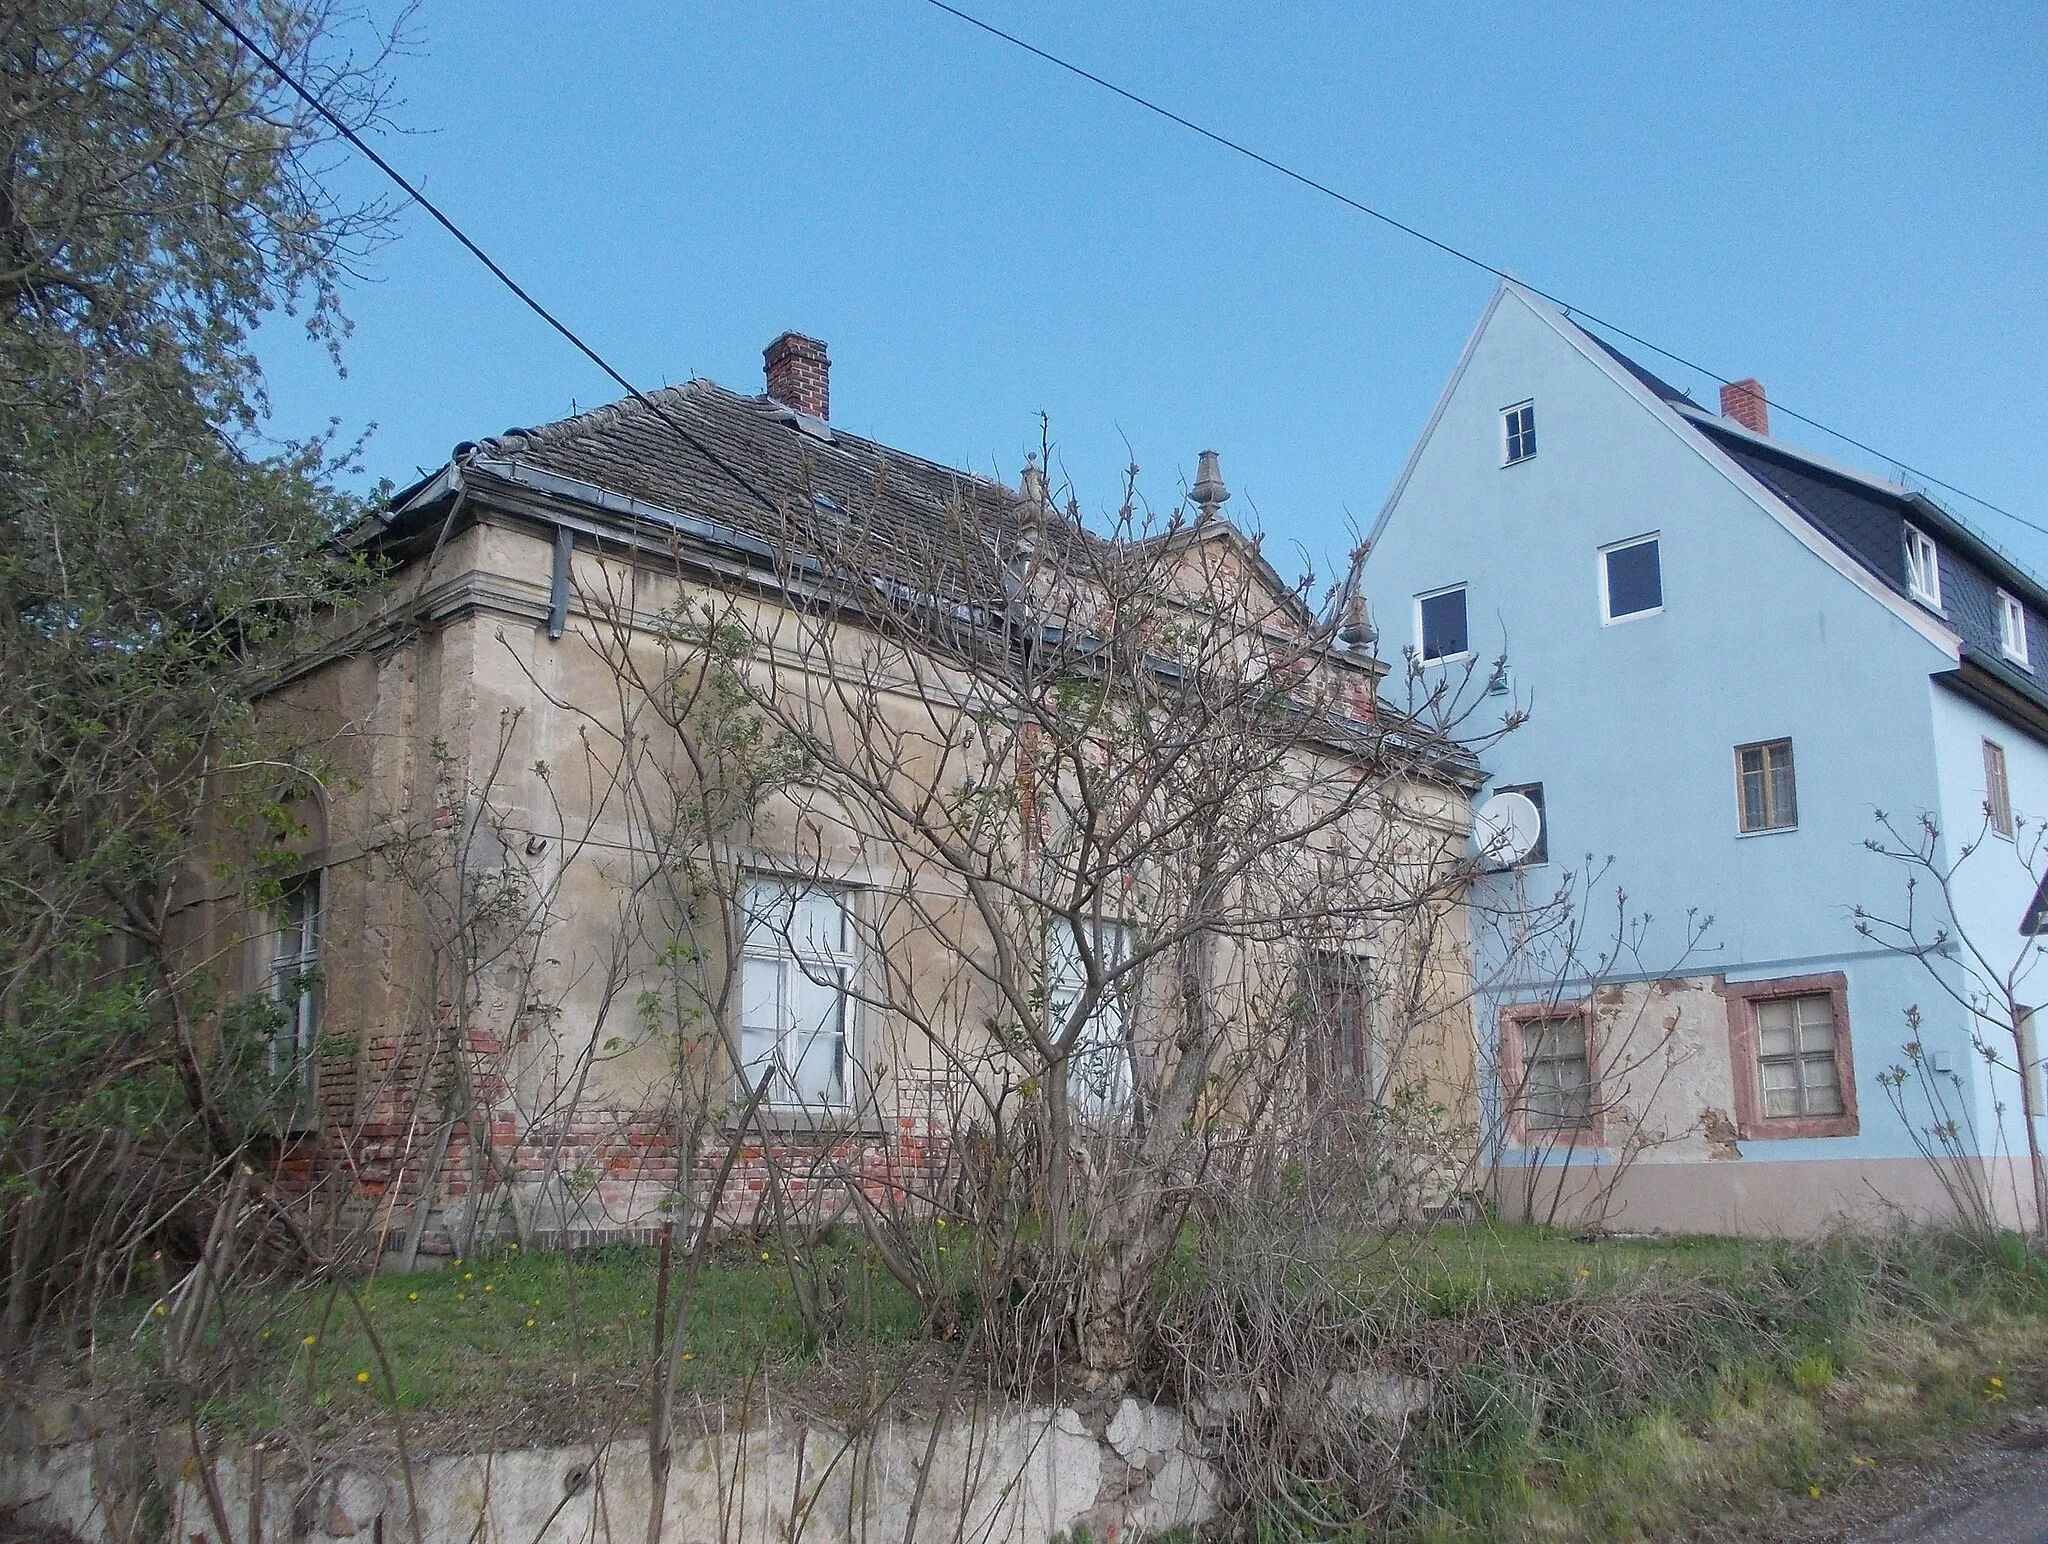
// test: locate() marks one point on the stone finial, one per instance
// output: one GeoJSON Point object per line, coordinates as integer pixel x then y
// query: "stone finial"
{"type": "Point", "coordinates": [1033, 506]}
{"type": "Point", "coordinates": [1356, 630]}
{"type": "Point", "coordinates": [1208, 492]}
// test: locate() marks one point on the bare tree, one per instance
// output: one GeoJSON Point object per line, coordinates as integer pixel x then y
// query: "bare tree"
{"type": "Point", "coordinates": [1987, 978]}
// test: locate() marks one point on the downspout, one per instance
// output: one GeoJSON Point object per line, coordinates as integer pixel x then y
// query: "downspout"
{"type": "Point", "coordinates": [558, 588]}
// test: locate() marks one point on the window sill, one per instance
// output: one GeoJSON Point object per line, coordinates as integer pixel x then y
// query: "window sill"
{"type": "Point", "coordinates": [811, 1120]}
{"type": "Point", "coordinates": [1633, 616]}
{"type": "Point", "coordinates": [1743, 836]}
{"type": "Point", "coordinates": [1430, 660]}
{"type": "Point", "coordinates": [1789, 1127]}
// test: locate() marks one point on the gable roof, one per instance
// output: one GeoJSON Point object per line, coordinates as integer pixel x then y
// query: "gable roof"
{"type": "Point", "coordinates": [750, 472]}
{"type": "Point", "coordinates": [1851, 519]}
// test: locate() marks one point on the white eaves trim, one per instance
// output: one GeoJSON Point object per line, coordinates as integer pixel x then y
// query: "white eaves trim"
{"type": "Point", "coordinates": [1924, 623]}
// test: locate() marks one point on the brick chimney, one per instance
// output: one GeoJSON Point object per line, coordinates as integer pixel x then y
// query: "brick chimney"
{"type": "Point", "coordinates": [799, 374]}
{"type": "Point", "coordinates": [1744, 402]}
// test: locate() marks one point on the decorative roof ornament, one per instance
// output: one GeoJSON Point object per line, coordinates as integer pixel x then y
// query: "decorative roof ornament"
{"type": "Point", "coordinates": [1208, 492]}
{"type": "Point", "coordinates": [1355, 631]}
{"type": "Point", "coordinates": [1034, 508]}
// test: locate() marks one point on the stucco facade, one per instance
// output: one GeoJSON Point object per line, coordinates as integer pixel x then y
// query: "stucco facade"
{"type": "Point", "coordinates": [1768, 630]}
{"type": "Point", "coordinates": [532, 974]}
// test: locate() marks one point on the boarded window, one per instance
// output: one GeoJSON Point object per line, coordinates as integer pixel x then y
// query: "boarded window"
{"type": "Point", "coordinates": [1339, 1031]}
{"type": "Point", "coordinates": [1766, 793]}
{"type": "Point", "coordinates": [1795, 1041]}
{"type": "Point", "coordinates": [1557, 1077]}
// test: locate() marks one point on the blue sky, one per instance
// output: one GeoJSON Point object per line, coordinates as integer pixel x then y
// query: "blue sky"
{"type": "Point", "coordinates": [1850, 203]}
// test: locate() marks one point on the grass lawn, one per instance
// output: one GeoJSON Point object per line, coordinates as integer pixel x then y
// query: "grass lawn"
{"type": "Point", "coordinates": [1819, 1363]}
{"type": "Point", "coordinates": [504, 1328]}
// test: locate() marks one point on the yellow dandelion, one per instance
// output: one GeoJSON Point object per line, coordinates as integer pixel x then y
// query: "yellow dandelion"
{"type": "Point", "coordinates": [1998, 1383]}
{"type": "Point", "coordinates": [362, 1377]}
{"type": "Point", "coordinates": [1813, 1491]}
{"type": "Point", "coordinates": [161, 1310]}
{"type": "Point", "coordinates": [1860, 1461]}
{"type": "Point", "coordinates": [310, 1340]}
{"type": "Point", "coordinates": [689, 1356]}
{"type": "Point", "coordinates": [458, 1259]}
{"type": "Point", "coordinates": [412, 1297]}
{"type": "Point", "coordinates": [536, 1303]}
{"type": "Point", "coordinates": [529, 1324]}
{"type": "Point", "coordinates": [264, 1336]}
{"type": "Point", "coordinates": [469, 1275]}
{"type": "Point", "coordinates": [942, 1249]}
{"type": "Point", "coordinates": [462, 1297]}
{"type": "Point", "coordinates": [487, 1286]}
{"type": "Point", "coordinates": [941, 1221]}
{"type": "Point", "coordinates": [764, 1254]}
{"type": "Point", "coordinates": [511, 1249]}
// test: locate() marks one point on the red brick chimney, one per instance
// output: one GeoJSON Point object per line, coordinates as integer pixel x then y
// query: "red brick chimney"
{"type": "Point", "coordinates": [1744, 402]}
{"type": "Point", "coordinates": [799, 374]}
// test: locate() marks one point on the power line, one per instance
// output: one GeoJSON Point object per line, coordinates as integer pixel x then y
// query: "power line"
{"type": "Point", "coordinates": [1577, 312]}
{"type": "Point", "coordinates": [313, 101]}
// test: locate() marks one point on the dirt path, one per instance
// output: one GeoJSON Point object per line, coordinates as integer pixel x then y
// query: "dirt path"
{"type": "Point", "coordinates": [1991, 1493]}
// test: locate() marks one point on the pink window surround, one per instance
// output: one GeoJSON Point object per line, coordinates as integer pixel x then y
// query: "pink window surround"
{"type": "Point", "coordinates": [1512, 1020]}
{"type": "Point", "coordinates": [1742, 998]}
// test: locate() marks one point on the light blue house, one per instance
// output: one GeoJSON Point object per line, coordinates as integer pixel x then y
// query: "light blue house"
{"type": "Point", "coordinates": [1732, 653]}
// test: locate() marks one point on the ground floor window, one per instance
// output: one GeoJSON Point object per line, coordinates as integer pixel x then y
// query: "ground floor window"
{"type": "Point", "coordinates": [1099, 1065]}
{"type": "Point", "coordinates": [1338, 1035]}
{"type": "Point", "coordinates": [295, 997]}
{"type": "Point", "coordinates": [1790, 1054]}
{"type": "Point", "coordinates": [796, 975]}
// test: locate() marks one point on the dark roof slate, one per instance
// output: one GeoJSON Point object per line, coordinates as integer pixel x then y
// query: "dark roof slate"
{"type": "Point", "coordinates": [745, 461]}
{"type": "Point", "coordinates": [1868, 523]}
{"type": "Point", "coordinates": [1664, 389]}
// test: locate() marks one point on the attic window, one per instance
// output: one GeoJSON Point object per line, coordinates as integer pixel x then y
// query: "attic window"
{"type": "Point", "coordinates": [1517, 433]}
{"type": "Point", "coordinates": [1923, 568]}
{"type": "Point", "coordinates": [1440, 625]}
{"type": "Point", "coordinates": [2012, 629]}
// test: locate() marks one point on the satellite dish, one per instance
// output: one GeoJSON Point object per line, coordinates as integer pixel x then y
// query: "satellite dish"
{"type": "Point", "coordinates": [1505, 830]}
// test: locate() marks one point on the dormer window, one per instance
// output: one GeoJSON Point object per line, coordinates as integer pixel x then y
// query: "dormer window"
{"type": "Point", "coordinates": [1923, 568]}
{"type": "Point", "coordinates": [1517, 433]}
{"type": "Point", "coordinates": [2012, 629]}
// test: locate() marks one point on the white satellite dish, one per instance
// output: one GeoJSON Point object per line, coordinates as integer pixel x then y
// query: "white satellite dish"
{"type": "Point", "coordinates": [1505, 830]}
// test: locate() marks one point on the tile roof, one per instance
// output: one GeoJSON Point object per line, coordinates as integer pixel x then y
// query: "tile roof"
{"type": "Point", "coordinates": [753, 464]}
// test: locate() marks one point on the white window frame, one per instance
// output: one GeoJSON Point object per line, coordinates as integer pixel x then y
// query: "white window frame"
{"type": "Point", "coordinates": [767, 945]}
{"type": "Point", "coordinates": [2012, 629]}
{"type": "Point", "coordinates": [1437, 594]}
{"type": "Point", "coordinates": [1099, 1083]}
{"type": "Point", "coordinates": [1798, 1059]}
{"type": "Point", "coordinates": [1607, 616]}
{"type": "Point", "coordinates": [1923, 567]}
{"type": "Point", "coordinates": [1741, 809]}
{"type": "Point", "coordinates": [1510, 430]}
{"type": "Point", "coordinates": [294, 989]}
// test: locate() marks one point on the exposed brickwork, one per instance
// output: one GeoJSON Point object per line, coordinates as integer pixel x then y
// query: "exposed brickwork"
{"type": "Point", "coordinates": [799, 374]}
{"type": "Point", "coordinates": [1744, 402]}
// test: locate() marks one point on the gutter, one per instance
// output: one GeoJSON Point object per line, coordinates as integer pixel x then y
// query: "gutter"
{"type": "Point", "coordinates": [1980, 681]}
